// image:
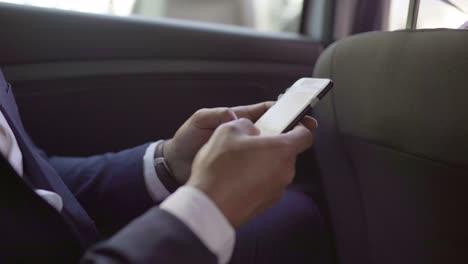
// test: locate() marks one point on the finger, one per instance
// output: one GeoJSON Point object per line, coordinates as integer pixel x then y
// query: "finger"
{"type": "Point", "coordinates": [299, 139]}
{"type": "Point", "coordinates": [310, 123]}
{"type": "Point", "coordinates": [291, 143]}
{"type": "Point", "coordinates": [245, 126]}
{"type": "Point", "coordinates": [252, 112]}
{"type": "Point", "coordinates": [213, 117]}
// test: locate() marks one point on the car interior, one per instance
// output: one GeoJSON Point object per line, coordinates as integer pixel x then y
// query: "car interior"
{"type": "Point", "coordinates": [391, 151]}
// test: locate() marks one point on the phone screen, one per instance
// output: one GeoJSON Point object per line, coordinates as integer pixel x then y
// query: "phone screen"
{"type": "Point", "coordinates": [288, 108]}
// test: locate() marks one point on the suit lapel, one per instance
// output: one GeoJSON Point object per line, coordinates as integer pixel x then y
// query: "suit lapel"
{"type": "Point", "coordinates": [39, 172]}
{"type": "Point", "coordinates": [29, 223]}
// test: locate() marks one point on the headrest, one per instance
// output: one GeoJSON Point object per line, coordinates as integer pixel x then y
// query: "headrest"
{"type": "Point", "coordinates": [406, 90]}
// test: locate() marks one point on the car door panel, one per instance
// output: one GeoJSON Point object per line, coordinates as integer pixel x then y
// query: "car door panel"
{"type": "Point", "coordinates": [91, 83]}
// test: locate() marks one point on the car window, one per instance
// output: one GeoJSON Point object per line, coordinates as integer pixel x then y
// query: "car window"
{"type": "Point", "coordinates": [262, 15]}
{"type": "Point", "coordinates": [432, 14]}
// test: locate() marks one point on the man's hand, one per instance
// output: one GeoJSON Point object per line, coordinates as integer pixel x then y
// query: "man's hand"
{"type": "Point", "coordinates": [244, 173]}
{"type": "Point", "coordinates": [195, 132]}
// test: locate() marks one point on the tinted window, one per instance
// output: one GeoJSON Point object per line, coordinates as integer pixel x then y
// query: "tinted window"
{"type": "Point", "coordinates": [432, 14]}
{"type": "Point", "coordinates": [262, 15]}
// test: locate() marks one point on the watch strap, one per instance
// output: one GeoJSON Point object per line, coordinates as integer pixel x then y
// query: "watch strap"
{"type": "Point", "coordinates": [163, 171]}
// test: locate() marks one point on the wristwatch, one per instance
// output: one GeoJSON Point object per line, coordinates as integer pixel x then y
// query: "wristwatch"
{"type": "Point", "coordinates": [163, 171]}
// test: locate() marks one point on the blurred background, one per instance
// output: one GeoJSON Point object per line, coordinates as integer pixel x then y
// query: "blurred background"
{"type": "Point", "coordinates": [261, 15]}
{"type": "Point", "coordinates": [432, 14]}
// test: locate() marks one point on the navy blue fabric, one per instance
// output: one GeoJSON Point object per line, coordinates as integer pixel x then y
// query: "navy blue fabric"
{"type": "Point", "coordinates": [110, 187]}
{"type": "Point", "coordinates": [155, 237]}
{"type": "Point", "coordinates": [41, 175]}
{"type": "Point", "coordinates": [293, 231]}
{"type": "Point", "coordinates": [30, 227]}
{"type": "Point", "coordinates": [94, 181]}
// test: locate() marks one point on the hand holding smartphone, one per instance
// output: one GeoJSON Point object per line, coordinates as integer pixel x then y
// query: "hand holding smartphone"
{"type": "Point", "coordinates": [291, 108]}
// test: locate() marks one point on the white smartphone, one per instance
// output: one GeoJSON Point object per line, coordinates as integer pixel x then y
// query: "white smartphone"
{"type": "Point", "coordinates": [293, 105]}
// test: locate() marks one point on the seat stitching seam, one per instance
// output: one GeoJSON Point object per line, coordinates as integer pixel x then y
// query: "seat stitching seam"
{"type": "Point", "coordinates": [348, 155]}
{"type": "Point", "coordinates": [416, 155]}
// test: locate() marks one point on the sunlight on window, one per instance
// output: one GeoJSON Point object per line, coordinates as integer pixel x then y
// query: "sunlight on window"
{"type": "Point", "coordinates": [437, 14]}
{"type": "Point", "coordinates": [262, 15]}
{"type": "Point", "coordinates": [272, 15]}
{"type": "Point", "coordinates": [398, 14]}
{"type": "Point", "coordinates": [115, 7]}
{"type": "Point", "coordinates": [432, 14]}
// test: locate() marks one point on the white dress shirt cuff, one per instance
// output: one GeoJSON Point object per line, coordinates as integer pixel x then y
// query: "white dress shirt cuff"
{"type": "Point", "coordinates": [204, 218]}
{"type": "Point", "coordinates": [154, 186]}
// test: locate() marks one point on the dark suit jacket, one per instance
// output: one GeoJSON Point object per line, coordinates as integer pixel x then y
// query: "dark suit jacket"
{"type": "Point", "coordinates": [101, 194]}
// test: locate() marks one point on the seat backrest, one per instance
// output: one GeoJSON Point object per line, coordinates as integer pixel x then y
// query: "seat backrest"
{"type": "Point", "coordinates": [393, 146]}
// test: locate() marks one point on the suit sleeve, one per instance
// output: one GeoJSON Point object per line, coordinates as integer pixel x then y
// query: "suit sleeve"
{"type": "Point", "coordinates": [155, 237]}
{"type": "Point", "coordinates": [110, 187]}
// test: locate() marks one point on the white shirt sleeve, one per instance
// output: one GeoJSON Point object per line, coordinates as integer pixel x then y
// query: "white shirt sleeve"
{"type": "Point", "coordinates": [204, 218]}
{"type": "Point", "coordinates": [154, 186]}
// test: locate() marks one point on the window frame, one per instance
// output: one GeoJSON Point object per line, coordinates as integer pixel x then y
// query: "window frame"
{"type": "Point", "coordinates": [318, 19]}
